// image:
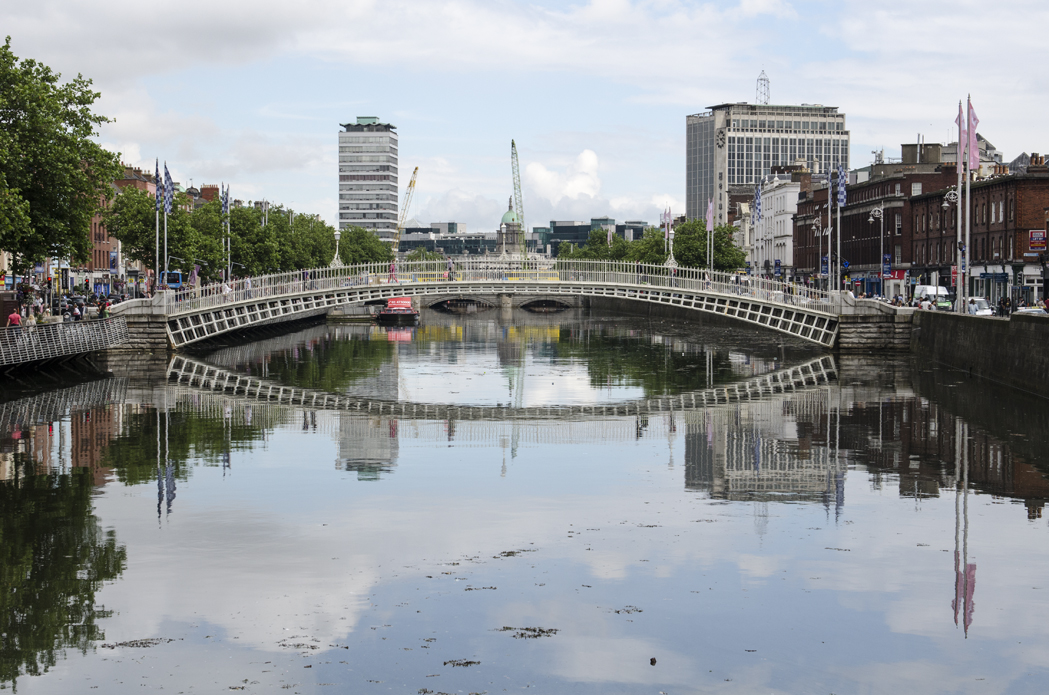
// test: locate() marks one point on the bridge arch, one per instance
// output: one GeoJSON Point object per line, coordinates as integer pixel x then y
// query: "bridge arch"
{"type": "Point", "coordinates": [192, 316]}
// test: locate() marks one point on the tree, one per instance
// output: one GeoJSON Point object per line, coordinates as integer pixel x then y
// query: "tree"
{"type": "Point", "coordinates": [690, 246]}
{"type": "Point", "coordinates": [596, 248]}
{"type": "Point", "coordinates": [359, 245]}
{"type": "Point", "coordinates": [649, 248]}
{"type": "Point", "coordinates": [53, 177]}
{"type": "Point", "coordinates": [420, 253]}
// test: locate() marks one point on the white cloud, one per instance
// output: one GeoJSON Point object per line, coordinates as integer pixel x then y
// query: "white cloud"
{"type": "Point", "coordinates": [578, 178]}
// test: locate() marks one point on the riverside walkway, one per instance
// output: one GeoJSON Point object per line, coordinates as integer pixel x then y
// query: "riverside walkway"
{"type": "Point", "coordinates": [193, 316]}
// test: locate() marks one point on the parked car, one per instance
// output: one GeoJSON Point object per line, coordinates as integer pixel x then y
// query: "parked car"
{"type": "Point", "coordinates": [1032, 310]}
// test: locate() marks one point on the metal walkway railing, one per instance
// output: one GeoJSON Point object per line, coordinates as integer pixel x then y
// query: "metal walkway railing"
{"type": "Point", "coordinates": [495, 270]}
{"type": "Point", "coordinates": [47, 341]}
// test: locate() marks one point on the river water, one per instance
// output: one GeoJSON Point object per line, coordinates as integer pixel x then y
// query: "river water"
{"type": "Point", "coordinates": [507, 501]}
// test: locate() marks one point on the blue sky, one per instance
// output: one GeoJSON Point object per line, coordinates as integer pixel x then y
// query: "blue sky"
{"type": "Point", "coordinates": [595, 93]}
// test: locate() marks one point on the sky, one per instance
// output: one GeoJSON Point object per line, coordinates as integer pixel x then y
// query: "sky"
{"type": "Point", "coordinates": [595, 94]}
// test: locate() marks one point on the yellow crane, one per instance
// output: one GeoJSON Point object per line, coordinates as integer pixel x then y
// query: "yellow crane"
{"type": "Point", "coordinates": [404, 209]}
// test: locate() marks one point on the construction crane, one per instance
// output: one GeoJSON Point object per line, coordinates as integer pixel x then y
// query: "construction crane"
{"type": "Point", "coordinates": [518, 201]}
{"type": "Point", "coordinates": [404, 209]}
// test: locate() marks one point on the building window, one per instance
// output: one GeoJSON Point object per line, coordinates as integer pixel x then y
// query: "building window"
{"type": "Point", "coordinates": [916, 188]}
{"type": "Point", "coordinates": [898, 254]}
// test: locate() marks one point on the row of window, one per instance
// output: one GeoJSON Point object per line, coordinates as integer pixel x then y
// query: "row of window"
{"type": "Point", "coordinates": [367, 216]}
{"type": "Point", "coordinates": [365, 177]}
{"type": "Point", "coordinates": [368, 206]}
{"type": "Point", "coordinates": [799, 126]}
{"type": "Point", "coordinates": [357, 158]}
{"type": "Point", "coordinates": [349, 168]}
{"type": "Point", "coordinates": [362, 139]}
{"type": "Point", "coordinates": [392, 197]}
{"type": "Point", "coordinates": [352, 149]}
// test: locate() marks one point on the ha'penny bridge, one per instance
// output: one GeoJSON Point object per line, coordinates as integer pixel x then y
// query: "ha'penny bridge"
{"type": "Point", "coordinates": [201, 376]}
{"type": "Point", "coordinates": [181, 319]}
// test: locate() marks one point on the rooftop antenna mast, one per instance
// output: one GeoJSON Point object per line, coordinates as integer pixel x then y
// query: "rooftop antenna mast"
{"type": "Point", "coordinates": [761, 96]}
{"type": "Point", "coordinates": [518, 201]}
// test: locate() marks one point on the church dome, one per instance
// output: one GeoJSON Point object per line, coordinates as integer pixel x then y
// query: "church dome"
{"type": "Point", "coordinates": [510, 217]}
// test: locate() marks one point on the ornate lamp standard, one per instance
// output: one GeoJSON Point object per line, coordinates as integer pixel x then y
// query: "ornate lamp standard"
{"type": "Point", "coordinates": [879, 213]}
{"type": "Point", "coordinates": [336, 262]}
{"type": "Point", "coordinates": [817, 228]}
{"type": "Point", "coordinates": [951, 198]}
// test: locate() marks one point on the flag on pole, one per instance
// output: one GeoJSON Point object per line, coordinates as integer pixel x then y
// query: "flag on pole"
{"type": "Point", "coordinates": [841, 186]}
{"type": "Point", "coordinates": [757, 203]}
{"type": "Point", "coordinates": [169, 190]}
{"type": "Point", "coordinates": [963, 137]}
{"type": "Point", "coordinates": [225, 201]}
{"type": "Point", "coordinates": [193, 276]}
{"type": "Point", "coordinates": [974, 148]}
{"type": "Point", "coordinates": [159, 185]}
{"type": "Point", "coordinates": [710, 215]}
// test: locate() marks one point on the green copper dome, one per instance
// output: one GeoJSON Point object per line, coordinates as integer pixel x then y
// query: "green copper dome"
{"type": "Point", "coordinates": [510, 217]}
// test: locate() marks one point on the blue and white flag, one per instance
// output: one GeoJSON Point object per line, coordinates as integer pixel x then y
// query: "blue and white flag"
{"type": "Point", "coordinates": [159, 186]}
{"type": "Point", "coordinates": [169, 190]}
{"type": "Point", "coordinates": [841, 186]}
{"type": "Point", "coordinates": [757, 203]}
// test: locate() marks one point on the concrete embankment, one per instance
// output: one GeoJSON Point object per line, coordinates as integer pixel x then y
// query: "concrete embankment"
{"type": "Point", "coordinates": [1009, 351]}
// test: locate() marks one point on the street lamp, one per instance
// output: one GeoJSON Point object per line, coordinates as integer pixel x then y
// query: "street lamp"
{"type": "Point", "coordinates": [950, 198]}
{"type": "Point", "coordinates": [879, 213]}
{"type": "Point", "coordinates": [817, 228]}
{"type": "Point", "coordinates": [336, 262]}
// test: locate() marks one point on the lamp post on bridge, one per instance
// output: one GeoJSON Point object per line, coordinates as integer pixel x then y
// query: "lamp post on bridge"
{"type": "Point", "coordinates": [879, 213]}
{"type": "Point", "coordinates": [817, 228]}
{"type": "Point", "coordinates": [336, 262]}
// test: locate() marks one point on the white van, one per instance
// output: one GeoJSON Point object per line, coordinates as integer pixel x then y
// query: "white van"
{"type": "Point", "coordinates": [933, 292]}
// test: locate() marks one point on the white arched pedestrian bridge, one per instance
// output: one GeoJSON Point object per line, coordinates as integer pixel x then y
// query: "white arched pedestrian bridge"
{"type": "Point", "coordinates": [208, 312]}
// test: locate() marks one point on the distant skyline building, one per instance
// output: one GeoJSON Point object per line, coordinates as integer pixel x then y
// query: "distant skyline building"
{"type": "Point", "coordinates": [368, 177]}
{"type": "Point", "coordinates": [731, 147]}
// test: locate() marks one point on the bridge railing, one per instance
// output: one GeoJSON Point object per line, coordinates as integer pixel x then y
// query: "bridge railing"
{"type": "Point", "coordinates": [49, 340]}
{"type": "Point", "coordinates": [491, 270]}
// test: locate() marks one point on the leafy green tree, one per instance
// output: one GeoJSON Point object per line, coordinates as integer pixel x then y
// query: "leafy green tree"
{"type": "Point", "coordinates": [131, 218]}
{"type": "Point", "coordinates": [420, 253]}
{"type": "Point", "coordinates": [649, 248]}
{"type": "Point", "coordinates": [53, 176]}
{"type": "Point", "coordinates": [596, 248]}
{"type": "Point", "coordinates": [360, 245]}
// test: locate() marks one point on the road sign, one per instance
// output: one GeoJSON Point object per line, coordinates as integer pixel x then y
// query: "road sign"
{"type": "Point", "coordinates": [886, 263]}
{"type": "Point", "coordinates": [824, 269]}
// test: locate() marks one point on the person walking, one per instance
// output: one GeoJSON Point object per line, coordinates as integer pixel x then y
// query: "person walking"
{"type": "Point", "coordinates": [451, 269]}
{"type": "Point", "coordinates": [14, 322]}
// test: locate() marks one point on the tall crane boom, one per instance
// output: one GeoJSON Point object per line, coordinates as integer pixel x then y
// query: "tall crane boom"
{"type": "Point", "coordinates": [518, 201]}
{"type": "Point", "coordinates": [404, 208]}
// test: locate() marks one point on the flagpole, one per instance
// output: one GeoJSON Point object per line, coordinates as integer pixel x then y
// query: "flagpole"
{"type": "Point", "coordinates": [156, 248]}
{"type": "Point", "coordinates": [963, 267]}
{"type": "Point", "coordinates": [837, 268]}
{"type": "Point", "coordinates": [968, 175]}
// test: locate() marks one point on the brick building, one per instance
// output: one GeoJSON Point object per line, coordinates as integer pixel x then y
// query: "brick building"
{"type": "Point", "coordinates": [107, 270]}
{"type": "Point", "coordinates": [1007, 234]}
{"type": "Point", "coordinates": [892, 191]}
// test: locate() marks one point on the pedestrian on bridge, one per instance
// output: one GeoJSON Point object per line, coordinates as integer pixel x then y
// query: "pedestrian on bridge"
{"type": "Point", "coordinates": [14, 322]}
{"type": "Point", "coordinates": [451, 269]}
{"type": "Point", "coordinates": [393, 272]}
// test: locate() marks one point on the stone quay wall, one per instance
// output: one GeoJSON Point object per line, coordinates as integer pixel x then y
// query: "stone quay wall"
{"type": "Point", "coordinates": [1010, 351]}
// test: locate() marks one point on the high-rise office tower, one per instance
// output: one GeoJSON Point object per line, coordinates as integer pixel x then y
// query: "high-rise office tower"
{"type": "Point", "coordinates": [729, 148]}
{"type": "Point", "coordinates": [368, 176]}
